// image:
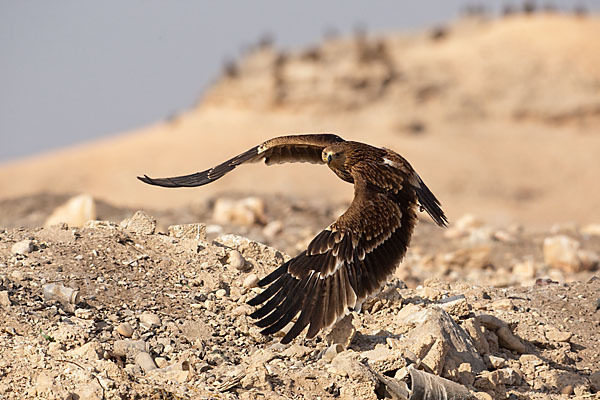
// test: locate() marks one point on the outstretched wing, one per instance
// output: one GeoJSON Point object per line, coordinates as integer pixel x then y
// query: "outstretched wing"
{"type": "Point", "coordinates": [343, 264]}
{"type": "Point", "coordinates": [296, 148]}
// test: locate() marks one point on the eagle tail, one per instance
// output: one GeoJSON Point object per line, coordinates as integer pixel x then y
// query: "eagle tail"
{"type": "Point", "coordinates": [431, 204]}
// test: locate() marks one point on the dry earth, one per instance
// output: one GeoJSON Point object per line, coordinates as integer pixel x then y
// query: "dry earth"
{"type": "Point", "coordinates": [500, 117]}
{"type": "Point", "coordinates": [163, 315]}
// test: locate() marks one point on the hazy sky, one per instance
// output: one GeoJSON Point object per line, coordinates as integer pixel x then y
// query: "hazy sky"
{"type": "Point", "coordinates": [75, 70]}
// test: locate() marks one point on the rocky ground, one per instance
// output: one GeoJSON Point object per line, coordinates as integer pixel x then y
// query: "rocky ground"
{"type": "Point", "coordinates": [131, 310]}
{"type": "Point", "coordinates": [500, 119]}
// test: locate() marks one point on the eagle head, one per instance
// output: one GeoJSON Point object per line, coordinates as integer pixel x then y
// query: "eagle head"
{"type": "Point", "coordinates": [334, 156]}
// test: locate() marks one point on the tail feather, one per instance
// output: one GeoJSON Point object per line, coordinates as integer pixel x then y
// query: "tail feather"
{"type": "Point", "coordinates": [431, 204]}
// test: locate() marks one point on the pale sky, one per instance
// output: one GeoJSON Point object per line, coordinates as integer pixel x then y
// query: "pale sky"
{"type": "Point", "coordinates": [72, 71]}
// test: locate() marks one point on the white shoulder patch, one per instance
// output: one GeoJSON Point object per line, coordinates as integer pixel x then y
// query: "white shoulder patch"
{"type": "Point", "coordinates": [387, 161]}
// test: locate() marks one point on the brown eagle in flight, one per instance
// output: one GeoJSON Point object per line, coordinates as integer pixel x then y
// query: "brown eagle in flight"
{"type": "Point", "coordinates": [352, 258]}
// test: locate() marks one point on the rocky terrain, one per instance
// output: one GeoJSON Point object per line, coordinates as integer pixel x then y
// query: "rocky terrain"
{"type": "Point", "coordinates": [501, 119]}
{"type": "Point", "coordinates": [121, 310]}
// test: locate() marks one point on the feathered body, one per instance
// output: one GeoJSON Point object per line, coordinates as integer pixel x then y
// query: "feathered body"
{"type": "Point", "coordinates": [353, 257]}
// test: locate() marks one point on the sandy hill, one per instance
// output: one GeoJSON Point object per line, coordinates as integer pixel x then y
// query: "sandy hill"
{"type": "Point", "coordinates": [501, 118]}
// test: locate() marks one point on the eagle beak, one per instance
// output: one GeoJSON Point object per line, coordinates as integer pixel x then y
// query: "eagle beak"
{"type": "Point", "coordinates": [329, 158]}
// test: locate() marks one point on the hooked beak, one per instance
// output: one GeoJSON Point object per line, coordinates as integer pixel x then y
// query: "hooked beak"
{"type": "Point", "coordinates": [327, 157]}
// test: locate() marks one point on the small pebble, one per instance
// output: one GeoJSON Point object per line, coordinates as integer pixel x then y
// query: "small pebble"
{"type": "Point", "coordinates": [568, 390]}
{"type": "Point", "coordinates": [236, 260]}
{"type": "Point", "coordinates": [125, 329]}
{"type": "Point", "coordinates": [250, 281]}
{"type": "Point", "coordinates": [503, 304]}
{"type": "Point", "coordinates": [17, 275]}
{"type": "Point", "coordinates": [129, 348]}
{"type": "Point", "coordinates": [497, 362]}
{"type": "Point", "coordinates": [4, 299]}
{"type": "Point", "coordinates": [161, 362]}
{"type": "Point", "coordinates": [333, 351]}
{"type": "Point", "coordinates": [221, 293]}
{"type": "Point", "coordinates": [22, 247]}
{"type": "Point", "coordinates": [145, 361]}
{"type": "Point", "coordinates": [554, 335]}
{"type": "Point", "coordinates": [84, 313]}
{"type": "Point", "coordinates": [149, 320]}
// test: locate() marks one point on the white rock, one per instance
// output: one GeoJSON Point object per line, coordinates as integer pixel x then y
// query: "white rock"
{"type": "Point", "coordinates": [89, 351]}
{"type": "Point", "coordinates": [22, 247]}
{"type": "Point", "coordinates": [250, 281]}
{"type": "Point", "coordinates": [332, 351]}
{"type": "Point", "coordinates": [149, 320]}
{"type": "Point", "coordinates": [161, 362]}
{"type": "Point", "coordinates": [561, 252]}
{"type": "Point", "coordinates": [140, 223]}
{"type": "Point", "coordinates": [145, 361]}
{"type": "Point", "coordinates": [221, 293]}
{"type": "Point", "coordinates": [497, 362]}
{"type": "Point", "coordinates": [247, 211]}
{"type": "Point", "coordinates": [591, 229]}
{"type": "Point", "coordinates": [236, 260]}
{"type": "Point", "coordinates": [75, 212]}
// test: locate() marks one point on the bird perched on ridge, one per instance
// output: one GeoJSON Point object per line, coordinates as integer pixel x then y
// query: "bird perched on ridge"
{"type": "Point", "coordinates": [352, 258]}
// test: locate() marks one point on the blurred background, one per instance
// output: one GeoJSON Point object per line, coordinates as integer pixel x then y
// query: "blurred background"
{"type": "Point", "coordinates": [496, 104]}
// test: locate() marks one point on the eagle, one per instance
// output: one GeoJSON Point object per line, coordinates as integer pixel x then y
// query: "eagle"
{"type": "Point", "coordinates": [352, 258]}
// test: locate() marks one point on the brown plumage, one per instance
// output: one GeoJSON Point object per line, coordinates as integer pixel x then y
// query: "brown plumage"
{"type": "Point", "coordinates": [353, 257]}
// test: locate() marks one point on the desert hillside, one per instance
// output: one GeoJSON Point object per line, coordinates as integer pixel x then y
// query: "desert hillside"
{"type": "Point", "coordinates": [500, 117]}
